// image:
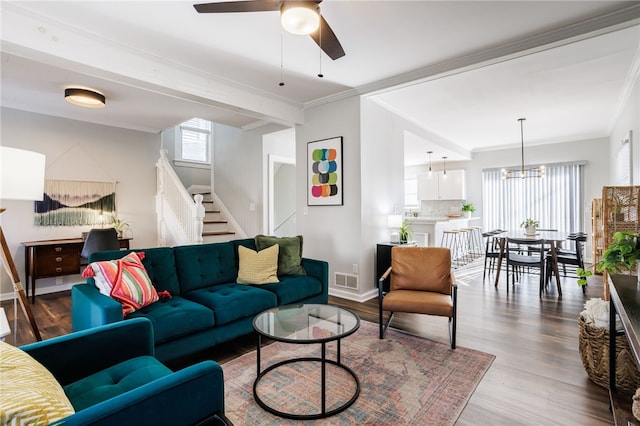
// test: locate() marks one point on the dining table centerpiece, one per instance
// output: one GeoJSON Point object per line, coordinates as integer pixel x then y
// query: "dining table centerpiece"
{"type": "Point", "coordinates": [530, 226]}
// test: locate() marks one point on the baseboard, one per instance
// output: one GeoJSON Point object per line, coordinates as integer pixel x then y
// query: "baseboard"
{"type": "Point", "coordinates": [40, 291]}
{"type": "Point", "coordinates": [361, 298]}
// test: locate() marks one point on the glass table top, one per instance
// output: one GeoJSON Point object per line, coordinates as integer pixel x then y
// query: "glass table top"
{"type": "Point", "coordinates": [301, 323]}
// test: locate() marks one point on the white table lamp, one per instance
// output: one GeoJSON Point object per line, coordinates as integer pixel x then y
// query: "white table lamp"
{"type": "Point", "coordinates": [21, 178]}
{"type": "Point", "coordinates": [394, 221]}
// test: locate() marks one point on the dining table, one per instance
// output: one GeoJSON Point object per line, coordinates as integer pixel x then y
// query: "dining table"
{"type": "Point", "coordinates": [553, 238]}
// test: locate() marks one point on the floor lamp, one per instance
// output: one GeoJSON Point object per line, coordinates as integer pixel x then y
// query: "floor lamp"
{"type": "Point", "coordinates": [21, 178]}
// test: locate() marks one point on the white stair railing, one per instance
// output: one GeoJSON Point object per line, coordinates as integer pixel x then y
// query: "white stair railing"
{"type": "Point", "coordinates": [177, 211]}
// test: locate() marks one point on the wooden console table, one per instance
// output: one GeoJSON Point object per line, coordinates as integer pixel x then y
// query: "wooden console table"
{"type": "Point", "coordinates": [53, 258]}
{"type": "Point", "coordinates": [623, 300]}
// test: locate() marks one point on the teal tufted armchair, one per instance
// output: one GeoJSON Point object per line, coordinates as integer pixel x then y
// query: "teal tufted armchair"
{"type": "Point", "coordinates": [111, 377]}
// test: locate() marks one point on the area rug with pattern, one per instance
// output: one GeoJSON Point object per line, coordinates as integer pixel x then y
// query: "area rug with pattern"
{"type": "Point", "coordinates": [404, 380]}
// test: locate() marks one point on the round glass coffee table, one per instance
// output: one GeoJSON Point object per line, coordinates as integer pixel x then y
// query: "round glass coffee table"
{"type": "Point", "coordinates": [307, 324]}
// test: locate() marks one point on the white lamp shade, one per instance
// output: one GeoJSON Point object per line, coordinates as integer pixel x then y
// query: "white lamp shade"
{"type": "Point", "coordinates": [394, 221]}
{"type": "Point", "coordinates": [21, 174]}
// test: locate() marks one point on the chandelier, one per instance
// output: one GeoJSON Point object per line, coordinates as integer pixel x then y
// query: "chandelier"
{"type": "Point", "coordinates": [532, 172]}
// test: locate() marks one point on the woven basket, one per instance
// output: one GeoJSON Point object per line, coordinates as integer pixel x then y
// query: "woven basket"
{"type": "Point", "coordinates": [594, 351]}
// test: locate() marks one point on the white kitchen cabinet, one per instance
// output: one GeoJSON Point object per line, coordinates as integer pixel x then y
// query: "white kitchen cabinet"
{"type": "Point", "coordinates": [437, 187]}
{"type": "Point", "coordinates": [428, 186]}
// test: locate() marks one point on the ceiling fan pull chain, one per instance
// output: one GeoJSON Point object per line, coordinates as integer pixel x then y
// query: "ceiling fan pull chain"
{"type": "Point", "coordinates": [320, 75]}
{"type": "Point", "coordinates": [281, 60]}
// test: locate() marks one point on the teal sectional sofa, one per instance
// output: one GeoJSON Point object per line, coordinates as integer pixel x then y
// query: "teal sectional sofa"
{"type": "Point", "coordinates": [207, 307]}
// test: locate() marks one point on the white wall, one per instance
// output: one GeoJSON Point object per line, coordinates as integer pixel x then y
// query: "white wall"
{"type": "Point", "coordinates": [332, 233]}
{"type": "Point", "coordinates": [80, 151]}
{"type": "Point", "coordinates": [629, 120]}
{"type": "Point", "coordinates": [238, 172]}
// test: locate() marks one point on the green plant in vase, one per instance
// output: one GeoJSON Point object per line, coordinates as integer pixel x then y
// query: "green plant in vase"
{"type": "Point", "coordinates": [530, 226]}
{"type": "Point", "coordinates": [119, 225]}
{"type": "Point", "coordinates": [404, 232]}
{"type": "Point", "coordinates": [468, 209]}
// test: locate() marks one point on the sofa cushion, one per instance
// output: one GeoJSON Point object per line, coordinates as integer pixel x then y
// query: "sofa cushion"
{"type": "Point", "coordinates": [114, 381]}
{"type": "Point", "coordinates": [126, 280]}
{"type": "Point", "coordinates": [30, 393]}
{"type": "Point", "coordinates": [294, 288]}
{"type": "Point", "coordinates": [257, 267]}
{"type": "Point", "coordinates": [290, 255]}
{"type": "Point", "coordinates": [232, 301]}
{"type": "Point", "coordinates": [159, 263]}
{"type": "Point", "coordinates": [200, 266]}
{"type": "Point", "coordinates": [175, 317]}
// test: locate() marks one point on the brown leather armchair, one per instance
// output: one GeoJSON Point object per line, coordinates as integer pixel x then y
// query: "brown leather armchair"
{"type": "Point", "coordinates": [421, 282]}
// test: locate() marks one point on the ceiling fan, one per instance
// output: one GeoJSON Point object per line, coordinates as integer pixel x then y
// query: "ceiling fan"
{"type": "Point", "coordinates": [297, 17]}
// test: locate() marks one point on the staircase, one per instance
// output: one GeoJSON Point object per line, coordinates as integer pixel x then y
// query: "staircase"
{"type": "Point", "coordinates": [191, 216]}
{"type": "Point", "coordinates": [215, 227]}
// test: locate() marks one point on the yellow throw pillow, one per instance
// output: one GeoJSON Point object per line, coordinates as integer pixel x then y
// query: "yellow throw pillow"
{"type": "Point", "coordinates": [258, 267]}
{"type": "Point", "coordinates": [30, 393]}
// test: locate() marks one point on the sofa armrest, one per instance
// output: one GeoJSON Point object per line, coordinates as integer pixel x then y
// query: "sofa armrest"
{"type": "Point", "coordinates": [73, 356]}
{"type": "Point", "coordinates": [90, 308]}
{"type": "Point", "coordinates": [185, 397]}
{"type": "Point", "coordinates": [318, 269]}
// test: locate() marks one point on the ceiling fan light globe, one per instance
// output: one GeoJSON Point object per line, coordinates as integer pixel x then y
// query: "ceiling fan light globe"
{"type": "Point", "coordinates": [300, 20]}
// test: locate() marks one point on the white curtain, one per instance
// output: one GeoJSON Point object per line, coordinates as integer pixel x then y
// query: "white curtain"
{"type": "Point", "coordinates": [555, 200]}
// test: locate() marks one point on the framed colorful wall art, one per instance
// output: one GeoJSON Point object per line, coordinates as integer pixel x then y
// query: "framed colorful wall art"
{"type": "Point", "coordinates": [324, 172]}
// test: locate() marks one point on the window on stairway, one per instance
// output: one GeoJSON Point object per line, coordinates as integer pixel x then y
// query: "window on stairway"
{"type": "Point", "coordinates": [194, 141]}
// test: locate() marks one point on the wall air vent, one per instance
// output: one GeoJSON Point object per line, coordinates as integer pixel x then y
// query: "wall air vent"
{"type": "Point", "coordinates": [349, 281]}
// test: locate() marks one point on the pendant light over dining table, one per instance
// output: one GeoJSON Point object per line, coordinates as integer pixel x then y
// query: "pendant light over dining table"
{"type": "Point", "coordinates": [523, 173]}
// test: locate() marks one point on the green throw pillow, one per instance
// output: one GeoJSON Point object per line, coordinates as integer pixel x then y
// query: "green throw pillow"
{"type": "Point", "coordinates": [290, 255]}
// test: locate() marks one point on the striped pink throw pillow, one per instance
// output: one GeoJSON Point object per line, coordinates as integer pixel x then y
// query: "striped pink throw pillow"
{"type": "Point", "coordinates": [125, 280]}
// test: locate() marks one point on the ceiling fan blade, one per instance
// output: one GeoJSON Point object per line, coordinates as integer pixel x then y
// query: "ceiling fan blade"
{"type": "Point", "coordinates": [329, 43]}
{"type": "Point", "coordinates": [239, 6]}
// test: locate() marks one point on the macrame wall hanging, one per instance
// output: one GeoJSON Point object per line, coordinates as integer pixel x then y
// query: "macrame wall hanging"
{"type": "Point", "coordinates": [76, 203]}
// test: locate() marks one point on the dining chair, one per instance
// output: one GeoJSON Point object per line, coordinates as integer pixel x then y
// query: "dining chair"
{"type": "Point", "coordinates": [573, 257]}
{"type": "Point", "coordinates": [99, 239]}
{"type": "Point", "coordinates": [491, 252]}
{"type": "Point", "coordinates": [521, 253]}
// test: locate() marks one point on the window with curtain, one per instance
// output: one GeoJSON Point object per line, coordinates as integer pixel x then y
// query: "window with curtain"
{"type": "Point", "coordinates": [555, 201]}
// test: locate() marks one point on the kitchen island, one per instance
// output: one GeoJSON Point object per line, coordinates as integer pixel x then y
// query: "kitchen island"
{"type": "Point", "coordinates": [434, 226]}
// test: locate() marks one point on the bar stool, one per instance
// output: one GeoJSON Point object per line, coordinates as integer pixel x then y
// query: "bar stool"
{"type": "Point", "coordinates": [465, 243]}
{"type": "Point", "coordinates": [477, 241]}
{"type": "Point", "coordinates": [451, 240]}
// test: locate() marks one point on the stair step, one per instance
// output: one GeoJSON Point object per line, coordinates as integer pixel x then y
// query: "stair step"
{"type": "Point", "coordinates": [211, 222]}
{"type": "Point", "coordinates": [209, 234]}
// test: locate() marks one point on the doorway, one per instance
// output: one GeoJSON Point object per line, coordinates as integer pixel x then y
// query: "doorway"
{"type": "Point", "coordinates": [282, 196]}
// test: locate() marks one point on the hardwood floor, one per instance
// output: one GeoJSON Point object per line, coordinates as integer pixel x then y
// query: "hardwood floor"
{"type": "Point", "coordinates": [537, 377]}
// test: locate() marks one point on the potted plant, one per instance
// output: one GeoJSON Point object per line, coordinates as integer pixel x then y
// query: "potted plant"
{"type": "Point", "coordinates": [405, 232]}
{"type": "Point", "coordinates": [623, 252]}
{"type": "Point", "coordinates": [119, 225]}
{"type": "Point", "coordinates": [468, 209]}
{"type": "Point", "coordinates": [530, 226]}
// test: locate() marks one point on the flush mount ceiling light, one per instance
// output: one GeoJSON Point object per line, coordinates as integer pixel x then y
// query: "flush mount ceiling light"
{"type": "Point", "coordinates": [85, 98]}
{"type": "Point", "coordinates": [523, 173]}
{"type": "Point", "coordinates": [300, 18]}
